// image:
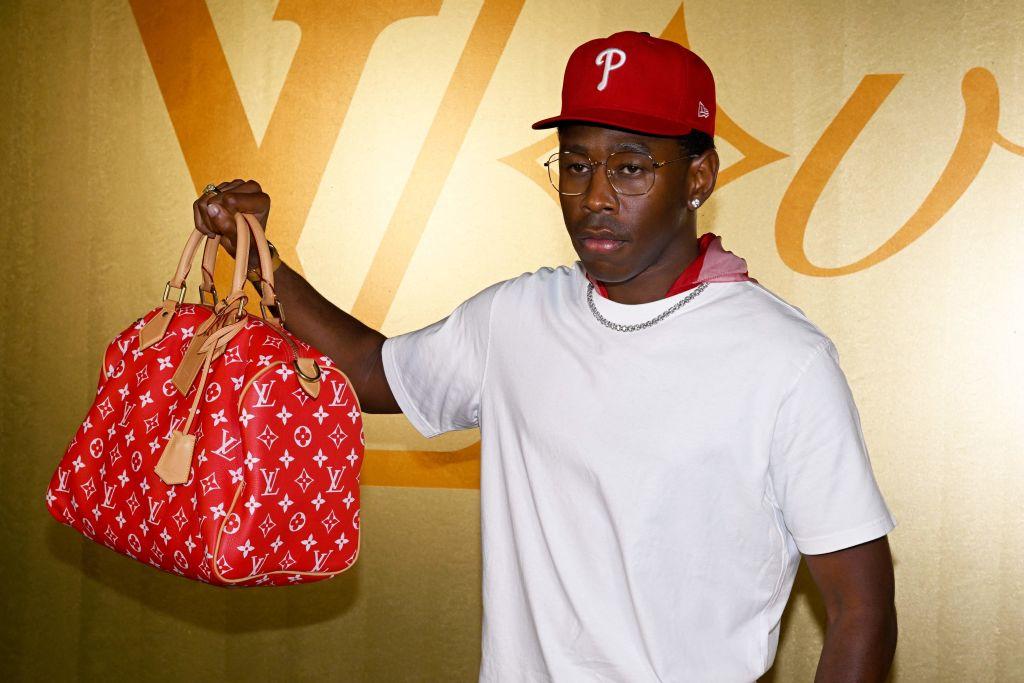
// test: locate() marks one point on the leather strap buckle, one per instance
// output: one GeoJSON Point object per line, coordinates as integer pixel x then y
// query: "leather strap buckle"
{"type": "Point", "coordinates": [181, 294]}
{"type": "Point", "coordinates": [212, 293]}
{"type": "Point", "coordinates": [242, 300]}
{"type": "Point", "coordinates": [280, 311]}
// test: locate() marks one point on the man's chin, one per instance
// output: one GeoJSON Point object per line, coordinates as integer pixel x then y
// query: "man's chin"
{"type": "Point", "coordinates": [600, 268]}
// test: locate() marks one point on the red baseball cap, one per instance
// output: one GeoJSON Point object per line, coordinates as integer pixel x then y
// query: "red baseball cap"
{"type": "Point", "coordinates": [633, 81]}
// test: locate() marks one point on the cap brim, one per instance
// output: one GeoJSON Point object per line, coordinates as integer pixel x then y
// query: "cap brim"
{"type": "Point", "coordinates": [636, 123]}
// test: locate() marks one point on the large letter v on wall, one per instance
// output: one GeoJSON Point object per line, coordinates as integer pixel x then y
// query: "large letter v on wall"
{"type": "Point", "coordinates": [207, 114]}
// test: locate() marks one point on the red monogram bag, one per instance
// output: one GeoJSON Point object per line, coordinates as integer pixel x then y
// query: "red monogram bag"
{"type": "Point", "coordinates": [220, 446]}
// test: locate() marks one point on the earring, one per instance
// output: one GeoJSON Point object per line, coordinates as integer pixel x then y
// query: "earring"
{"type": "Point", "coordinates": [695, 202]}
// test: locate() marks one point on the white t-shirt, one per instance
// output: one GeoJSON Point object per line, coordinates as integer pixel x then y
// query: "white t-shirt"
{"type": "Point", "coordinates": [645, 496]}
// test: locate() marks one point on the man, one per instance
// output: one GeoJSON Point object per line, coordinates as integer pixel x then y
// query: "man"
{"type": "Point", "coordinates": [662, 437]}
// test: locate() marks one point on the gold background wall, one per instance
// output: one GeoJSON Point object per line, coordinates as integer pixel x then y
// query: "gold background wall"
{"type": "Point", "coordinates": [873, 177]}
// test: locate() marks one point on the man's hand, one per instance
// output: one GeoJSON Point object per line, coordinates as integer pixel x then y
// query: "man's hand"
{"type": "Point", "coordinates": [353, 346]}
{"type": "Point", "coordinates": [215, 213]}
{"type": "Point", "coordinates": [858, 589]}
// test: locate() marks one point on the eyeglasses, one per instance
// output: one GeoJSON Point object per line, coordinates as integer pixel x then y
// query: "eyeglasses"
{"type": "Point", "coordinates": [630, 173]}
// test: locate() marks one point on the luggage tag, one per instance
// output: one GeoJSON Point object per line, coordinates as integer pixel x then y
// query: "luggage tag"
{"type": "Point", "coordinates": [176, 460]}
{"type": "Point", "coordinates": [194, 356]}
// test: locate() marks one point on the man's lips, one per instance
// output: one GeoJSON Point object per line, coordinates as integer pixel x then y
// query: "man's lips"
{"type": "Point", "coordinates": [599, 235]}
{"type": "Point", "coordinates": [601, 245]}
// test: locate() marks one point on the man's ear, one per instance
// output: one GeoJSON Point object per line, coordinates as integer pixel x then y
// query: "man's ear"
{"type": "Point", "coordinates": [703, 175]}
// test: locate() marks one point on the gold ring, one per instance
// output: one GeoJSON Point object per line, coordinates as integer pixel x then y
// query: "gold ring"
{"type": "Point", "coordinates": [211, 188]}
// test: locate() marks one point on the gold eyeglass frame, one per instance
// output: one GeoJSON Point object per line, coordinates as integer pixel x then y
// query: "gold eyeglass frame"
{"type": "Point", "coordinates": [594, 164]}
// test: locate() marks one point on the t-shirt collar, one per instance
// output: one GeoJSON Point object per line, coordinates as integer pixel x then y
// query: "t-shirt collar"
{"type": "Point", "coordinates": [712, 264]}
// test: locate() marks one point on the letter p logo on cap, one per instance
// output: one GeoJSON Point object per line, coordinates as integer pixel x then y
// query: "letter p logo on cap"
{"type": "Point", "coordinates": [606, 58]}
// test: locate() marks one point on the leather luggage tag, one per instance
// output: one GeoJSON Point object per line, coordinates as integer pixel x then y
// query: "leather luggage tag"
{"type": "Point", "coordinates": [186, 371]}
{"type": "Point", "coordinates": [176, 460]}
{"type": "Point", "coordinates": [154, 330]}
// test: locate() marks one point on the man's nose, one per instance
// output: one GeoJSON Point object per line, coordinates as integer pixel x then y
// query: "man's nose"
{"type": "Point", "coordinates": [600, 196]}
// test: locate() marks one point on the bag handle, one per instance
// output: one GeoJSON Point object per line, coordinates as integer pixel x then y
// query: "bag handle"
{"type": "Point", "coordinates": [177, 281]}
{"type": "Point", "coordinates": [246, 223]}
{"type": "Point", "coordinates": [155, 329]}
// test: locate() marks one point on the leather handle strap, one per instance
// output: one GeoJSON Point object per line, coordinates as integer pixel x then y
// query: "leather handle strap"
{"type": "Point", "coordinates": [265, 275]}
{"type": "Point", "coordinates": [247, 223]}
{"type": "Point", "coordinates": [209, 261]}
{"type": "Point", "coordinates": [154, 330]}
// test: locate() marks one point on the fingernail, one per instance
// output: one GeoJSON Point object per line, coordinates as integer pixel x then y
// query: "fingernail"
{"type": "Point", "coordinates": [213, 209]}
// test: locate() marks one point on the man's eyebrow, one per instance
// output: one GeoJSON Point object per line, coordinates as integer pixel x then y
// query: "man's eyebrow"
{"type": "Point", "coordinates": [633, 147]}
{"type": "Point", "coordinates": [622, 146]}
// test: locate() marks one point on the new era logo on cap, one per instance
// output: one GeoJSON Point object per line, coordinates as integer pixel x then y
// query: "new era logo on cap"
{"type": "Point", "coordinates": [637, 82]}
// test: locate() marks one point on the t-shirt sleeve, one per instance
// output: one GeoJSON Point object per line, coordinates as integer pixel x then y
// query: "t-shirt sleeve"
{"type": "Point", "coordinates": [820, 472]}
{"type": "Point", "coordinates": [436, 373]}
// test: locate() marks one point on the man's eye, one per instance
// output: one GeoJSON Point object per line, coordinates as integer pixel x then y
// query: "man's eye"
{"type": "Point", "coordinates": [627, 169]}
{"type": "Point", "coordinates": [577, 168]}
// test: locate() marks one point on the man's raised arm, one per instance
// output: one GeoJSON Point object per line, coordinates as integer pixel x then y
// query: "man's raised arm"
{"type": "Point", "coordinates": [354, 347]}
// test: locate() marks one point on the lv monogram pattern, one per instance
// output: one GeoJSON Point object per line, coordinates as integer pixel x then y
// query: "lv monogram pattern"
{"type": "Point", "coordinates": [272, 496]}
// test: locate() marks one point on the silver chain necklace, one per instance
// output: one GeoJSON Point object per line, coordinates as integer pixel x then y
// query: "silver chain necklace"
{"type": "Point", "coordinates": [639, 326]}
